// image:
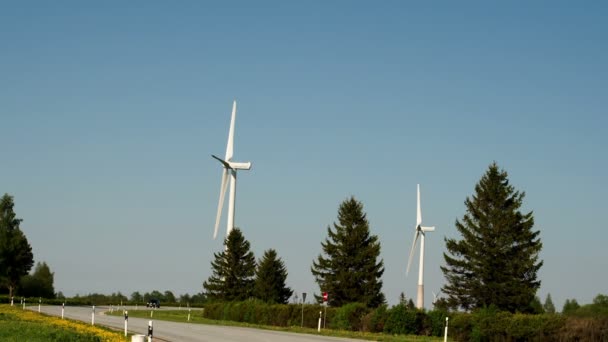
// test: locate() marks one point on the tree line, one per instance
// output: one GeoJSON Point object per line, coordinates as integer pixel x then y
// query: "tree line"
{"type": "Point", "coordinates": [495, 260]}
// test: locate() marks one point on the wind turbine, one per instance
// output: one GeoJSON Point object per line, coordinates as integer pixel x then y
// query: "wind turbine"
{"type": "Point", "coordinates": [420, 230]}
{"type": "Point", "coordinates": [229, 175]}
{"type": "Point", "coordinates": [436, 296]}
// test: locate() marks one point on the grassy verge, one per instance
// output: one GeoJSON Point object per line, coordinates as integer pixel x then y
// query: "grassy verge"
{"type": "Point", "coordinates": [196, 318]}
{"type": "Point", "coordinates": [17, 325]}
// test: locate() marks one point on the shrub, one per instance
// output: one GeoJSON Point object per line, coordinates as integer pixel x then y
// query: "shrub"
{"type": "Point", "coordinates": [437, 322]}
{"type": "Point", "coordinates": [374, 321]}
{"type": "Point", "coordinates": [402, 320]}
{"type": "Point", "coordinates": [349, 317]}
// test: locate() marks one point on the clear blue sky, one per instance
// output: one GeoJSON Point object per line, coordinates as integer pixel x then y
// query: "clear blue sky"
{"type": "Point", "coordinates": [109, 113]}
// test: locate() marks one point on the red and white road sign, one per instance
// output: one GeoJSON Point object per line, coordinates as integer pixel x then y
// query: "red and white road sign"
{"type": "Point", "coordinates": [325, 296]}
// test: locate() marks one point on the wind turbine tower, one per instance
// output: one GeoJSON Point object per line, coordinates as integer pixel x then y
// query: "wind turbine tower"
{"type": "Point", "coordinates": [420, 230]}
{"type": "Point", "coordinates": [229, 176]}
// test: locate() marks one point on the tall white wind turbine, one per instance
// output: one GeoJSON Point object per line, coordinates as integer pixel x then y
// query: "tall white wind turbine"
{"type": "Point", "coordinates": [229, 175]}
{"type": "Point", "coordinates": [420, 230]}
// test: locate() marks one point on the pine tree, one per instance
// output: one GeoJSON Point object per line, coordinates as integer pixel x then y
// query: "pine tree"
{"type": "Point", "coordinates": [349, 271]}
{"type": "Point", "coordinates": [496, 261]}
{"type": "Point", "coordinates": [270, 279]}
{"type": "Point", "coordinates": [233, 270]}
{"type": "Point", "coordinates": [549, 306]}
{"type": "Point", "coordinates": [16, 258]}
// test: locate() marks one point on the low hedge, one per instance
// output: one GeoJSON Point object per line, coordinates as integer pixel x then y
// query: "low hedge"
{"type": "Point", "coordinates": [482, 325]}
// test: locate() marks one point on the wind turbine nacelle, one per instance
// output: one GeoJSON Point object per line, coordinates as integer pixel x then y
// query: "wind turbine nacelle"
{"type": "Point", "coordinates": [239, 166]}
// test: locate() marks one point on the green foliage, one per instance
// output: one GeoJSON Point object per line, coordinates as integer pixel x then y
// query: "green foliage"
{"type": "Point", "coordinates": [549, 307]}
{"type": "Point", "coordinates": [16, 258]}
{"type": "Point", "coordinates": [258, 312]}
{"type": "Point", "coordinates": [536, 307]}
{"type": "Point", "coordinates": [402, 320]}
{"type": "Point", "coordinates": [570, 306]}
{"type": "Point", "coordinates": [233, 270]}
{"type": "Point", "coordinates": [505, 273]}
{"type": "Point", "coordinates": [350, 316]}
{"type": "Point", "coordinates": [136, 297]}
{"type": "Point", "coordinates": [437, 322]}
{"type": "Point", "coordinates": [271, 275]}
{"type": "Point", "coordinates": [349, 270]}
{"type": "Point", "coordinates": [39, 283]}
{"type": "Point", "coordinates": [486, 324]}
{"type": "Point", "coordinates": [374, 321]}
{"type": "Point", "coordinates": [490, 324]}
{"type": "Point", "coordinates": [169, 297]}
{"type": "Point", "coordinates": [597, 309]}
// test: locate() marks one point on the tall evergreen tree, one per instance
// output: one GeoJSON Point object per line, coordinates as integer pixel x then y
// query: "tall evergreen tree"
{"type": "Point", "coordinates": [496, 261]}
{"type": "Point", "coordinates": [349, 270]}
{"type": "Point", "coordinates": [16, 258]}
{"type": "Point", "coordinates": [549, 307]}
{"type": "Point", "coordinates": [233, 270]}
{"type": "Point", "coordinates": [270, 279]}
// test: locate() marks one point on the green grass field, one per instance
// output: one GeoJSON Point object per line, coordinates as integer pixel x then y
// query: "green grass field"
{"type": "Point", "coordinates": [196, 318]}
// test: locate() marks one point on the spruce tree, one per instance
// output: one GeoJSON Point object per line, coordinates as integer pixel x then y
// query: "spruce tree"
{"type": "Point", "coordinates": [16, 258]}
{"type": "Point", "coordinates": [270, 279]}
{"type": "Point", "coordinates": [549, 307]}
{"type": "Point", "coordinates": [233, 270]}
{"type": "Point", "coordinates": [496, 261]}
{"type": "Point", "coordinates": [349, 270]}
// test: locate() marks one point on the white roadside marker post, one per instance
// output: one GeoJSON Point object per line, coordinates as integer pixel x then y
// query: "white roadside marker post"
{"type": "Point", "coordinates": [62, 309]}
{"type": "Point", "coordinates": [39, 303]}
{"type": "Point", "coordinates": [93, 316]}
{"type": "Point", "coordinates": [126, 321]}
{"type": "Point", "coordinates": [23, 303]}
{"type": "Point", "coordinates": [12, 300]}
{"type": "Point", "coordinates": [445, 337]}
{"type": "Point", "coordinates": [150, 331]}
{"type": "Point", "coordinates": [320, 315]}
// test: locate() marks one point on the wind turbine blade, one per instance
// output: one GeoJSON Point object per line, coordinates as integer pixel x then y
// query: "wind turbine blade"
{"type": "Point", "coordinates": [230, 145]}
{"type": "Point", "coordinates": [226, 165]}
{"type": "Point", "coordinates": [223, 188]}
{"type": "Point", "coordinates": [418, 211]}
{"type": "Point", "coordinates": [409, 262]}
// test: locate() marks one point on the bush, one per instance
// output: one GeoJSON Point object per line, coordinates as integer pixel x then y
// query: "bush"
{"type": "Point", "coordinates": [437, 322]}
{"type": "Point", "coordinates": [402, 320]}
{"type": "Point", "coordinates": [374, 321]}
{"type": "Point", "coordinates": [349, 317]}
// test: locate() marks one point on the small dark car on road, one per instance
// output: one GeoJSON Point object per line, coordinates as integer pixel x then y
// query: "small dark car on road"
{"type": "Point", "coordinates": [153, 303]}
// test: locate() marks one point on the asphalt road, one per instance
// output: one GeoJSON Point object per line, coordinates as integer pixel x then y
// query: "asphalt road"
{"type": "Point", "coordinates": [182, 332]}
